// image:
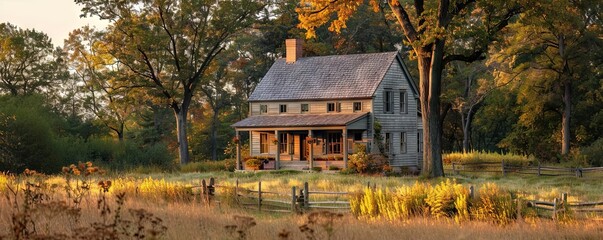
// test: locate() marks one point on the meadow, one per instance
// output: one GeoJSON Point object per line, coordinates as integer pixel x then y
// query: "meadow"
{"type": "Point", "coordinates": [83, 204]}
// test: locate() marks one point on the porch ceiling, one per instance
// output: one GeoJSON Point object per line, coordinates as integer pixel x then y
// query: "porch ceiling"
{"type": "Point", "coordinates": [300, 120]}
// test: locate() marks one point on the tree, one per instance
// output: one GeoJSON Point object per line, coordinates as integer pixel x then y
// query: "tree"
{"type": "Point", "coordinates": [107, 92]}
{"type": "Point", "coordinates": [171, 44]}
{"type": "Point", "coordinates": [28, 62]}
{"type": "Point", "coordinates": [438, 32]}
{"type": "Point", "coordinates": [550, 48]}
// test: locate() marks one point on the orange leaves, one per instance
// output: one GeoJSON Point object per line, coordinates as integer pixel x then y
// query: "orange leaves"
{"type": "Point", "coordinates": [315, 13]}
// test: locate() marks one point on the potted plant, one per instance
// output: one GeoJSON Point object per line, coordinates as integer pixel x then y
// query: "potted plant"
{"type": "Point", "coordinates": [275, 141]}
{"type": "Point", "coordinates": [253, 164]}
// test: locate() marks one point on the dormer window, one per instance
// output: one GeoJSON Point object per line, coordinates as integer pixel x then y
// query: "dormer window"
{"type": "Point", "coordinates": [283, 108]}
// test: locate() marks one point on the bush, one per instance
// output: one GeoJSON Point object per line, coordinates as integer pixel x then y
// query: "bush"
{"type": "Point", "coordinates": [317, 169]}
{"type": "Point", "coordinates": [368, 163]}
{"type": "Point", "coordinates": [253, 163]}
{"type": "Point", "coordinates": [333, 168]}
{"type": "Point", "coordinates": [594, 153]}
{"type": "Point", "coordinates": [486, 157]}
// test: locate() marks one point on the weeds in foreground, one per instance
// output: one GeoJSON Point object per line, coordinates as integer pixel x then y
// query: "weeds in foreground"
{"type": "Point", "coordinates": [323, 219]}
{"type": "Point", "coordinates": [240, 230]}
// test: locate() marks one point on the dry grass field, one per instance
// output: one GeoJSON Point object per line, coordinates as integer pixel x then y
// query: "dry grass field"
{"type": "Point", "coordinates": [161, 206]}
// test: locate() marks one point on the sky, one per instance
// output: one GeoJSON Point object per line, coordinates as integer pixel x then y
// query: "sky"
{"type": "Point", "coordinates": [56, 18]}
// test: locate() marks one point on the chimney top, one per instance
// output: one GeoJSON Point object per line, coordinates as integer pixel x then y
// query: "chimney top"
{"type": "Point", "coordinates": [294, 50]}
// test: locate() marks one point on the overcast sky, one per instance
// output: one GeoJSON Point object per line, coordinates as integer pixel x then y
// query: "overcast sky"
{"type": "Point", "coordinates": [54, 17]}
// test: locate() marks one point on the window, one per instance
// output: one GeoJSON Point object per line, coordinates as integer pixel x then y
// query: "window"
{"type": "Point", "coordinates": [420, 140]}
{"type": "Point", "coordinates": [388, 101]}
{"type": "Point", "coordinates": [263, 109]}
{"type": "Point", "coordinates": [283, 108]}
{"type": "Point", "coordinates": [305, 108]}
{"type": "Point", "coordinates": [283, 142]}
{"type": "Point", "coordinates": [357, 106]}
{"type": "Point", "coordinates": [403, 102]}
{"type": "Point", "coordinates": [388, 143]}
{"type": "Point", "coordinates": [263, 142]}
{"type": "Point", "coordinates": [330, 107]}
{"type": "Point", "coordinates": [334, 107]}
{"type": "Point", "coordinates": [358, 136]}
{"type": "Point", "coordinates": [333, 143]}
{"type": "Point", "coordinates": [403, 141]}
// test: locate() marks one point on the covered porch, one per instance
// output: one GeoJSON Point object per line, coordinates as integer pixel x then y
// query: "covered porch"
{"type": "Point", "coordinates": [302, 141]}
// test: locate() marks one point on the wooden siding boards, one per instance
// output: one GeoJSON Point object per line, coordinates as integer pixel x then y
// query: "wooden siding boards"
{"type": "Point", "coordinates": [294, 107]}
{"type": "Point", "coordinates": [397, 122]}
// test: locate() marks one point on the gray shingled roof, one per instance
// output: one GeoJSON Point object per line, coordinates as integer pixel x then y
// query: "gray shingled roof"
{"type": "Point", "coordinates": [327, 77]}
{"type": "Point", "coordinates": [303, 120]}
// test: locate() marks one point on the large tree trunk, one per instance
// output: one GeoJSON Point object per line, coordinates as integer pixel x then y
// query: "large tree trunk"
{"type": "Point", "coordinates": [182, 137]}
{"type": "Point", "coordinates": [567, 100]}
{"type": "Point", "coordinates": [565, 122]}
{"type": "Point", "coordinates": [430, 69]}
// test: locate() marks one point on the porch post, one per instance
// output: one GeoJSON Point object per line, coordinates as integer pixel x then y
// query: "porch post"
{"type": "Point", "coordinates": [310, 133]}
{"type": "Point", "coordinates": [345, 147]}
{"type": "Point", "coordinates": [238, 150]}
{"type": "Point", "coordinates": [277, 157]}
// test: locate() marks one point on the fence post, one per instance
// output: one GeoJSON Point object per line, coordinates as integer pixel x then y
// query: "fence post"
{"type": "Point", "coordinates": [539, 168]}
{"type": "Point", "coordinates": [260, 196]}
{"type": "Point", "coordinates": [293, 199]}
{"type": "Point", "coordinates": [368, 184]}
{"type": "Point", "coordinates": [236, 191]}
{"type": "Point", "coordinates": [579, 172]}
{"type": "Point", "coordinates": [471, 192]}
{"type": "Point", "coordinates": [503, 167]}
{"type": "Point", "coordinates": [453, 169]}
{"type": "Point", "coordinates": [211, 188]}
{"type": "Point", "coordinates": [564, 200]}
{"type": "Point", "coordinates": [555, 205]}
{"type": "Point", "coordinates": [203, 187]}
{"type": "Point", "coordinates": [306, 196]}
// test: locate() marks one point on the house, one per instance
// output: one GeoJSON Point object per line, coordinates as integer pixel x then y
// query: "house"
{"type": "Point", "coordinates": [312, 111]}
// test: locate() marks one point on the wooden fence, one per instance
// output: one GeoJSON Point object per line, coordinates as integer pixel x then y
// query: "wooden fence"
{"type": "Point", "coordinates": [302, 199]}
{"type": "Point", "coordinates": [298, 200]}
{"type": "Point", "coordinates": [562, 205]}
{"type": "Point", "coordinates": [506, 168]}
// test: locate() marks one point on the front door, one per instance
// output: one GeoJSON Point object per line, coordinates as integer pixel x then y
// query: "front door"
{"type": "Point", "coordinates": [303, 148]}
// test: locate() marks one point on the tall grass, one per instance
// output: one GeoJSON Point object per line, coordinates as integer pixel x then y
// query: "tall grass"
{"type": "Point", "coordinates": [447, 199]}
{"type": "Point", "coordinates": [489, 157]}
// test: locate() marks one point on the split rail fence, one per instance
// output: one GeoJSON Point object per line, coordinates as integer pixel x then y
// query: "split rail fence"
{"type": "Point", "coordinates": [507, 168]}
{"type": "Point", "coordinates": [302, 199]}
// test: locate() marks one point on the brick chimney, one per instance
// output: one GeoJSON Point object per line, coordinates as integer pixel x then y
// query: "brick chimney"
{"type": "Point", "coordinates": [294, 49]}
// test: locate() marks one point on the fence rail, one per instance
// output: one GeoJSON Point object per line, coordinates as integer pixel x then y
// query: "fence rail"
{"type": "Point", "coordinates": [506, 168]}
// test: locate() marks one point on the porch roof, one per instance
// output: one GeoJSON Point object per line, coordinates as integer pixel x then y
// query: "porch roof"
{"type": "Point", "coordinates": [301, 120]}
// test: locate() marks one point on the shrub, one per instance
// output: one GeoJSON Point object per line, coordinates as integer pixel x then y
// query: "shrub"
{"type": "Point", "coordinates": [333, 168]}
{"type": "Point", "coordinates": [209, 166]}
{"type": "Point", "coordinates": [317, 169]}
{"type": "Point", "coordinates": [594, 153]}
{"type": "Point", "coordinates": [489, 157]}
{"type": "Point", "coordinates": [362, 162]}
{"type": "Point", "coordinates": [253, 163]}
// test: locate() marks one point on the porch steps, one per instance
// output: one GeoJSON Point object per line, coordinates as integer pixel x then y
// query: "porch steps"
{"type": "Point", "coordinates": [294, 165]}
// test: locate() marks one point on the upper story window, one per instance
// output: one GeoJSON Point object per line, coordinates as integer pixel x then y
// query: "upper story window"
{"type": "Point", "coordinates": [403, 102]}
{"type": "Point", "coordinates": [283, 108]}
{"type": "Point", "coordinates": [388, 101]}
{"type": "Point", "coordinates": [263, 109]}
{"type": "Point", "coordinates": [334, 107]}
{"type": "Point", "coordinates": [305, 108]}
{"type": "Point", "coordinates": [357, 106]}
